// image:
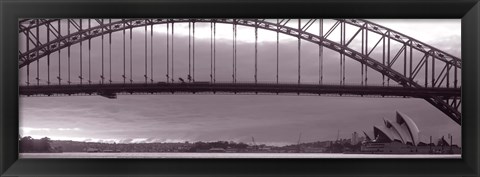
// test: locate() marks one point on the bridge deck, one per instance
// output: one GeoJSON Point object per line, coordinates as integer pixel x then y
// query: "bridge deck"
{"type": "Point", "coordinates": [199, 87]}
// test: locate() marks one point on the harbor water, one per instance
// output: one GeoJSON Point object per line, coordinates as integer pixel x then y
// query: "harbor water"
{"type": "Point", "coordinates": [235, 155]}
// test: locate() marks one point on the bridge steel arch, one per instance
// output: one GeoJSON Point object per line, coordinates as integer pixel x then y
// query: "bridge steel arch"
{"type": "Point", "coordinates": [450, 108]}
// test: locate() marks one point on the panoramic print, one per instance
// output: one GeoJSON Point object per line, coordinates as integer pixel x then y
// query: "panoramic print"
{"type": "Point", "coordinates": [240, 88]}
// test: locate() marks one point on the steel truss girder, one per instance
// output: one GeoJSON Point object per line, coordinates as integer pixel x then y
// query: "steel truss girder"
{"type": "Point", "coordinates": [102, 29]}
{"type": "Point", "coordinates": [402, 38]}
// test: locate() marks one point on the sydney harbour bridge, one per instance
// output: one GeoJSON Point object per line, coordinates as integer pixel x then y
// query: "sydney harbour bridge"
{"type": "Point", "coordinates": [106, 57]}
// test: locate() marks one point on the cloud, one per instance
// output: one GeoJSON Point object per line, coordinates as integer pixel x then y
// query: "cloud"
{"type": "Point", "coordinates": [29, 131]}
{"type": "Point", "coordinates": [26, 130]}
{"type": "Point", "coordinates": [222, 117]}
{"type": "Point", "coordinates": [68, 129]}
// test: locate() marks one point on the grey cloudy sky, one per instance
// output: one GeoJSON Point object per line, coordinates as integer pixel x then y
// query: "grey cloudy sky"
{"type": "Point", "coordinates": [270, 119]}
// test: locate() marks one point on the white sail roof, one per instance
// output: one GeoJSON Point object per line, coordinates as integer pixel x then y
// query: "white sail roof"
{"type": "Point", "coordinates": [411, 126]}
{"type": "Point", "coordinates": [403, 129]}
{"type": "Point", "coordinates": [402, 132]}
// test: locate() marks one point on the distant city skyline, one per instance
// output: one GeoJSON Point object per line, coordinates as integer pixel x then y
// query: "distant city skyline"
{"type": "Point", "coordinates": [271, 119]}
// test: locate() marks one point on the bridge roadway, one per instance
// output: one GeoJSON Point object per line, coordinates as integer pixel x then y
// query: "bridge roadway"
{"type": "Point", "coordinates": [111, 90]}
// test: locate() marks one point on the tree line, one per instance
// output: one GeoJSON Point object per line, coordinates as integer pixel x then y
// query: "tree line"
{"type": "Point", "coordinates": [28, 144]}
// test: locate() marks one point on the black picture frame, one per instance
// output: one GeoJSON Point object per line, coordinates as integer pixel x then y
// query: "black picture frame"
{"type": "Point", "coordinates": [12, 10]}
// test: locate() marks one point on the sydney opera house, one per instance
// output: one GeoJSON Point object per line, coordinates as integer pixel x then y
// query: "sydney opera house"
{"type": "Point", "coordinates": [401, 136]}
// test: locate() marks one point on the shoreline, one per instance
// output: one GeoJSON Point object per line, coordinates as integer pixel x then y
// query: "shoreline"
{"type": "Point", "coordinates": [186, 155]}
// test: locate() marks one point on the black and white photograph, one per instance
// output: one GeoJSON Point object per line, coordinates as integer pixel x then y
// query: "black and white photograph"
{"type": "Point", "coordinates": [240, 88]}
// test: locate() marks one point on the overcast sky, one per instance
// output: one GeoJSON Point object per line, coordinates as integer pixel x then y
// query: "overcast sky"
{"type": "Point", "coordinates": [270, 119]}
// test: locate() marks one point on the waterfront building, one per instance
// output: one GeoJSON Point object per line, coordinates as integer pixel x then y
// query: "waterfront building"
{"type": "Point", "coordinates": [402, 130]}
{"type": "Point", "coordinates": [216, 150]}
{"type": "Point", "coordinates": [354, 139]}
{"type": "Point", "coordinates": [401, 137]}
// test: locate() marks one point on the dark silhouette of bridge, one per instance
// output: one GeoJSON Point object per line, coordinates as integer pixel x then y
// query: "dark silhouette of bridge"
{"type": "Point", "coordinates": [252, 88]}
{"type": "Point", "coordinates": [409, 68]}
